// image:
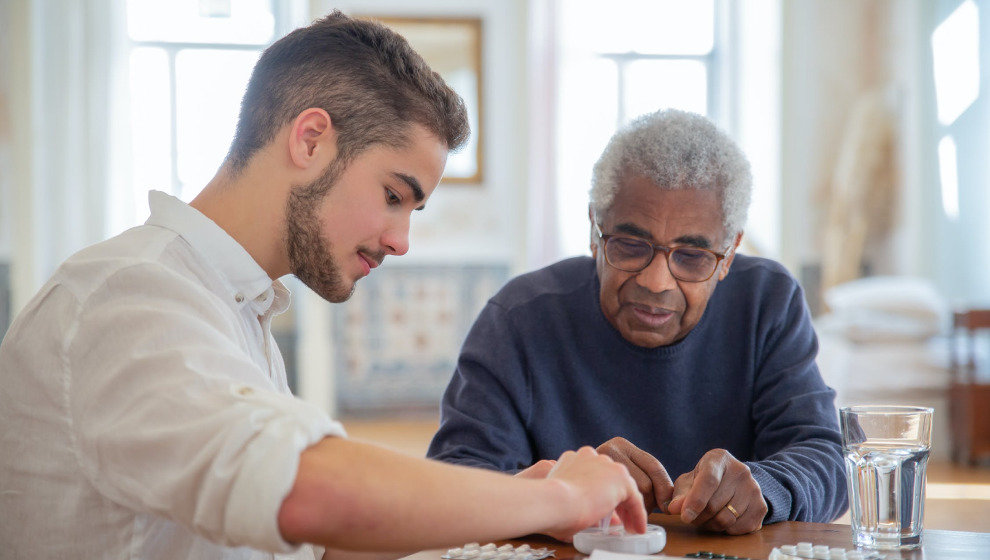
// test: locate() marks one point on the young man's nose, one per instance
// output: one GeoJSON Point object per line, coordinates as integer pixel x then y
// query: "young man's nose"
{"type": "Point", "coordinates": [396, 239]}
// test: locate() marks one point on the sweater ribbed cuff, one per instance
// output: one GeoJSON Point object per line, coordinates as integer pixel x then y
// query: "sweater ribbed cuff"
{"type": "Point", "coordinates": [777, 497]}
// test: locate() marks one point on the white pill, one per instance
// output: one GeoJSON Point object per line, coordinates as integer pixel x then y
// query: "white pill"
{"type": "Point", "coordinates": [505, 547]}
{"type": "Point", "coordinates": [789, 549]}
{"type": "Point", "coordinates": [472, 546]}
{"type": "Point", "coordinates": [470, 553]}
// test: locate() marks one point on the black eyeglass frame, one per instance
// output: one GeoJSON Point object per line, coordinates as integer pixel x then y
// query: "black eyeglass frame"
{"type": "Point", "coordinates": [657, 249]}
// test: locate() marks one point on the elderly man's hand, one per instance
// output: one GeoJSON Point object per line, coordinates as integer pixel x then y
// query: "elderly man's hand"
{"type": "Point", "coordinates": [720, 494]}
{"type": "Point", "coordinates": [650, 476]}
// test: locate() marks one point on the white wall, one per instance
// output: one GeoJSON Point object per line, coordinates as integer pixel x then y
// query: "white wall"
{"type": "Point", "coordinates": [823, 42]}
{"type": "Point", "coordinates": [833, 52]}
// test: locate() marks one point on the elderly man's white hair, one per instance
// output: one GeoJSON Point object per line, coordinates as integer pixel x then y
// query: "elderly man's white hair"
{"type": "Point", "coordinates": [676, 150]}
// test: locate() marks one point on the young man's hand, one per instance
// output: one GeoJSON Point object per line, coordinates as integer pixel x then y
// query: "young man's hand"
{"type": "Point", "coordinates": [596, 486]}
{"type": "Point", "coordinates": [539, 469]}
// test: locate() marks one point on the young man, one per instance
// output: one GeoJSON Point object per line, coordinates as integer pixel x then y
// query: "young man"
{"type": "Point", "coordinates": [651, 350]}
{"type": "Point", "coordinates": [143, 401]}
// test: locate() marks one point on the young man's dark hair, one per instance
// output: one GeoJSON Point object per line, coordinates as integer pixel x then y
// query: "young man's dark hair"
{"type": "Point", "coordinates": [364, 75]}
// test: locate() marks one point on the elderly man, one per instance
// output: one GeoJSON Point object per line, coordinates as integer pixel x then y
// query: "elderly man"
{"type": "Point", "coordinates": [143, 401]}
{"type": "Point", "coordinates": [652, 351]}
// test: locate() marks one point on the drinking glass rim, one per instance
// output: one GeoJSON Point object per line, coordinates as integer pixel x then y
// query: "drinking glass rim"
{"type": "Point", "coordinates": [885, 409]}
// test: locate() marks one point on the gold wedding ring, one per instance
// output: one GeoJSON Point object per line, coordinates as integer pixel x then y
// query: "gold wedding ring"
{"type": "Point", "coordinates": [732, 510]}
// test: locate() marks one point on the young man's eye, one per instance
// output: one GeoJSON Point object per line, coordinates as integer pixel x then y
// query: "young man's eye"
{"type": "Point", "coordinates": [391, 197]}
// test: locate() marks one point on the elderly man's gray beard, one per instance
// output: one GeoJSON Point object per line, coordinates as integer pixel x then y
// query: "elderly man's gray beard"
{"type": "Point", "coordinates": [310, 258]}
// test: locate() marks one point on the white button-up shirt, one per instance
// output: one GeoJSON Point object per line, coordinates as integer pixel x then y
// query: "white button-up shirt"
{"type": "Point", "coordinates": [144, 409]}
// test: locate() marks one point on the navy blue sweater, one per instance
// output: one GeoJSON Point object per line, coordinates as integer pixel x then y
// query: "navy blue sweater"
{"type": "Point", "coordinates": [542, 371]}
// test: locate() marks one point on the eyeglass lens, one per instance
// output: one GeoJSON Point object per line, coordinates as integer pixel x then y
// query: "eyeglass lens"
{"type": "Point", "coordinates": [685, 263]}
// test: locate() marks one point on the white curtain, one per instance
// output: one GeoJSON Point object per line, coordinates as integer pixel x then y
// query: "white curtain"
{"type": "Point", "coordinates": [62, 93]}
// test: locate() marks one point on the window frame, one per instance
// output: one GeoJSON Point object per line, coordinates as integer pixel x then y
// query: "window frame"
{"type": "Point", "coordinates": [284, 20]}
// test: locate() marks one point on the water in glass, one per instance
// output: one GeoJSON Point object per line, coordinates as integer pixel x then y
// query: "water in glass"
{"type": "Point", "coordinates": [886, 493]}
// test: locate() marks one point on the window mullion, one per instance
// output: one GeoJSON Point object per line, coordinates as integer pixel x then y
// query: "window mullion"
{"type": "Point", "coordinates": [713, 104]}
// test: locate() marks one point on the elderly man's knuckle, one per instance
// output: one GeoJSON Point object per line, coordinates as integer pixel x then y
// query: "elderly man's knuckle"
{"type": "Point", "coordinates": [617, 441]}
{"type": "Point", "coordinates": [697, 505]}
{"type": "Point", "coordinates": [658, 472]}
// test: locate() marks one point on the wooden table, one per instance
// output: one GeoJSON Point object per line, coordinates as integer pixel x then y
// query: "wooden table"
{"type": "Point", "coordinates": [685, 539]}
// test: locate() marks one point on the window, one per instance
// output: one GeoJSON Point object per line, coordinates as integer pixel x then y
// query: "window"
{"type": "Point", "coordinates": [635, 57]}
{"type": "Point", "coordinates": [959, 49]}
{"type": "Point", "coordinates": [189, 63]}
{"type": "Point", "coordinates": [956, 68]}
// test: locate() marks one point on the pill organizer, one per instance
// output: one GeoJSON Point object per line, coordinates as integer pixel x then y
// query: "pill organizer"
{"type": "Point", "coordinates": [615, 539]}
{"type": "Point", "coordinates": [475, 551]}
{"type": "Point", "coordinates": [807, 550]}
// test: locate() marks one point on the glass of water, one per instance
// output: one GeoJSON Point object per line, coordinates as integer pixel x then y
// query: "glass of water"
{"type": "Point", "coordinates": [886, 450]}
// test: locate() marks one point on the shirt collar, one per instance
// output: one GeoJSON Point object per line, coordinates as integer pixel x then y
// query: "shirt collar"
{"type": "Point", "coordinates": [249, 283]}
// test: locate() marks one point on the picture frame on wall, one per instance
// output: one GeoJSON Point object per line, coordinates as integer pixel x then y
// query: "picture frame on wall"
{"type": "Point", "coordinates": [452, 46]}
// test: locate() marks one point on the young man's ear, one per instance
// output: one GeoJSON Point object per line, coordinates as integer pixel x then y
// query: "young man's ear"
{"type": "Point", "coordinates": [729, 256]}
{"type": "Point", "coordinates": [312, 140]}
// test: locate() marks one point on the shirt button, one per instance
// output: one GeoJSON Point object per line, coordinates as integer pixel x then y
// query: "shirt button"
{"type": "Point", "coordinates": [239, 298]}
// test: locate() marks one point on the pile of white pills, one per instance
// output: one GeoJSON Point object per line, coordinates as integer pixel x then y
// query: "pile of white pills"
{"type": "Point", "coordinates": [804, 550]}
{"type": "Point", "coordinates": [475, 551]}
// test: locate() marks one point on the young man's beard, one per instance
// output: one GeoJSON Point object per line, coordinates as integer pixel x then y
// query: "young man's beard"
{"type": "Point", "coordinates": [310, 258]}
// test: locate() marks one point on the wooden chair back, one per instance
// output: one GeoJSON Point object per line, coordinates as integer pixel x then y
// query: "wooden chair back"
{"type": "Point", "coordinates": [969, 397]}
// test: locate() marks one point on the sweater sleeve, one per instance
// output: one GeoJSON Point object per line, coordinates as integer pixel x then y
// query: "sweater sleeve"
{"type": "Point", "coordinates": [798, 460]}
{"type": "Point", "coordinates": [485, 407]}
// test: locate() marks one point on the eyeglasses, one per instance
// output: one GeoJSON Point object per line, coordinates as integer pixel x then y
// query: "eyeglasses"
{"type": "Point", "coordinates": [631, 254]}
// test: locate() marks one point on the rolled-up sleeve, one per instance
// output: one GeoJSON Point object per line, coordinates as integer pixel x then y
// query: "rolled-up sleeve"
{"type": "Point", "coordinates": [171, 416]}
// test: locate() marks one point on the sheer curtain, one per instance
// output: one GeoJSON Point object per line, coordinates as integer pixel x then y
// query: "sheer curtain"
{"type": "Point", "coordinates": [66, 134]}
